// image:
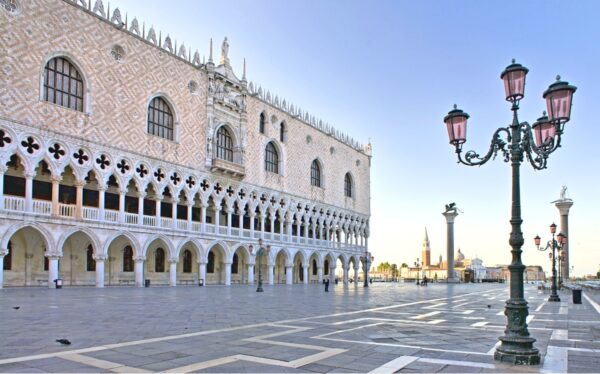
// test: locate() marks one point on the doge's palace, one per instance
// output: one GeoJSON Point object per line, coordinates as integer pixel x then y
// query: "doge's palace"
{"type": "Point", "coordinates": [128, 157]}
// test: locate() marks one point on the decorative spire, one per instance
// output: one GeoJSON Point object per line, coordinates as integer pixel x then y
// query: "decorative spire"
{"type": "Point", "coordinates": [244, 70]}
{"type": "Point", "coordinates": [210, 56]}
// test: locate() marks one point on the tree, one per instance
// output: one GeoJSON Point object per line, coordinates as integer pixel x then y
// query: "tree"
{"type": "Point", "coordinates": [404, 265]}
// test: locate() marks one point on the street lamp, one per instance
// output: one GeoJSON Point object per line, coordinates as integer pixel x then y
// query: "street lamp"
{"type": "Point", "coordinates": [367, 260]}
{"type": "Point", "coordinates": [515, 142]}
{"type": "Point", "coordinates": [418, 266]}
{"type": "Point", "coordinates": [555, 244]}
{"type": "Point", "coordinates": [562, 256]}
{"type": "Point", "coordinates": [261, 250]}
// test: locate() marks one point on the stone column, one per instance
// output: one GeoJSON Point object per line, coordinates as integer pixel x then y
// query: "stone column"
{"type": "Point", "coordinates": [250, 273]}
{"type": "Point", "coordinates": [262, 226]}
{"type": "Point", "coordinates": [202, 271]}
{"type": "Point", "coordinates": [281, 228]}
{"type": "Point", "coordinates": [2, 171]}
{"type": "Point", "coordinates": [227, 273]}
{"type": "Point", "coordinates": [346, 274]}
{"type": "Point", "coordinates": [332, 274]}
{"type": "Point", "coordinates": [241, 222]}
{"type": "Point", "coordinates": [451, 274]}
{"type": "Point", "coordinates": [100, 270]}
{"type": "Point", "coordinates": [229, 212]}
{"type": "Point", "coordinates": [3, 252]}
{"type": "Point", "coordinates": [271, 275]}
{"type": "Point", "coordinates": [55, 188]}
{"type": "Point", "coordinates": [101, 194]}
{"type": "Point", "coordinates": [305, 274]}
{"type": "Point", "coordinates": [139, 271]}
{"type": "Point", "coordinates": [203, 214]}
{"type": "Point", "coordinates": [122, 205]}
{"type": "Point", "coordinates": [320, 274]}
{"type": "Point", "coordinates": [141, 196]}
{"type": "Point", "coordinates": [288, 274]}
{"type": "Point", "coordinates": [158, 217]}
{"type": "Point", "coordinates": [356, 270]}
{"type": "Point", "coordinates": [29, 191]}
{"type": "Point", "coordinates": [52, 270]}
{"type": "Point", "coordinates": [217, 211]}
{"type": "Point", "coordinates": [563, 206]}
{"type": "Point", "coordinates": [173, 272]}
{"type": "Point", "coordinates": [79, 199]}
{"type": "Point", "coordinates": [251, 216]}
{"type": "Point", "coordinates": [190, 205]}
{"type": "Point", "coordinates": [174, 212]}
{"type": "Point", "coordinates": [289, 230]}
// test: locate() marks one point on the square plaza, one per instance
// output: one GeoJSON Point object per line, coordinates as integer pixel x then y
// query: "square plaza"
{"type": "Point", "coordinates": [299, 328]}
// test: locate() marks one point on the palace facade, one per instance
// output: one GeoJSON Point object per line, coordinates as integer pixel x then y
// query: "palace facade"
{"type": "Point", "coordinates": [124, 157]}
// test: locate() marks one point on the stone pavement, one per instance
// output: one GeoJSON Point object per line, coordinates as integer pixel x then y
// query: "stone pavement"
{"type": "Point", "coordinates": [385, 328]}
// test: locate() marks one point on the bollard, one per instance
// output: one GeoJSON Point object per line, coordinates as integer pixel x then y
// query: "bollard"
{"type": "Point", "coordinates": [577, 296]}
{"type": "Point", "coordinates": [147, 283]}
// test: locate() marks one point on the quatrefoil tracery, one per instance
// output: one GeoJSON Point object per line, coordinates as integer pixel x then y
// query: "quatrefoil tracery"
{"type": "Point", "coordinates": [57, 151]}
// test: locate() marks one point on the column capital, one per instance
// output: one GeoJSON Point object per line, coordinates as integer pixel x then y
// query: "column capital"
{"type": "Point", "coordinates": [79, 183]}
{"type": "Point", "coordinates": [3, 168]}
{"type": "Point", "coordinates": [100, 257]}
{"type": "Point", "coordinates": [564, 206]}
{"type": "Point", "coordinates": [141, 194]}
{"type": "Point", "coordinates": [139, 258]}
{"type": "Point", "coordinates": [56, 178]}
{"type": "Point", "coordinates": [53, 256]}
{"type": "Point", "coordinates": [3, 252]}
{"type": "Point", "coordinates": [450, 216]}
{"type": "Point", "coordinates": [173, 260]}
{"type": "Point", "coordinates": [29, 175]}
{"type": "Point", "coordinates": [102, 187]}
{"type": "Point", "coordinates": [158, 197]}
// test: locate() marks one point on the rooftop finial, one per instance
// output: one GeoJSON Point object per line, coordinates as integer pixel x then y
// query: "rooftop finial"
{"type": "Point", "coordinates": [455, 106]}
{"type": "Point", "coordinates": [210, 58]}
{"type": "Point", "coordinates": [244, 70]}
{"type": "Point", "coordinates": [513, 60]}
{"type": "Point", "coordinates": [558, 77]}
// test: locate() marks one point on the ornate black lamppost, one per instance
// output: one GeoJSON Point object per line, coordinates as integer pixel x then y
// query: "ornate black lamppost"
{"type": "Point", "coordinates": [261, 250]}
{"type": "Point", "coordinates": [562, 256]}
{"type": "Point", "coordinates": [515, 142]}
{"type": "Point", "coordinates": [554, 245]}
{"type": "Point", "coordinates": [367, 260]}
{"type": "Point", "coordinates": [418, 266]}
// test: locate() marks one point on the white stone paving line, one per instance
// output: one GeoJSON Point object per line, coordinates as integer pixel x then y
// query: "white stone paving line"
{"type": "Point", "coordinates": [422, 316]}
{"type": "Point", "coordinates": [594, 304]}
{"type": "Point", "coordinates": [102, 364]}
{"type": "Point", "coordinates": [200, 333]}
{"type": "Point", "coordinates": [394, 365]}
{"type": "Point", "coordinates": [540, 306]}
{"type": "Point", "coordinates": [556, 360]}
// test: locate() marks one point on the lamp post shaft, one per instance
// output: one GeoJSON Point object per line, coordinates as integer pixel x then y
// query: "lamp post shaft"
{"type": "Point", "coordinates": [516, 345]}
{"type": "Point", "coordinates": [554, 294]}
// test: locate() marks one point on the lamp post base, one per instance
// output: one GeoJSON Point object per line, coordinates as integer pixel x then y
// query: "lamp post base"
{"type": "Point", "coordinates": [516, 346]}
{"type": "Point", "coordinates": [517, 351]}
{"type": "Point", "coordinates": [554, 298]}
{"type": "Point", "coordinates": [453, 280]}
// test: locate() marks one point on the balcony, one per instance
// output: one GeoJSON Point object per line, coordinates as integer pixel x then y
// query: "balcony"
{"type": "Point", "coordinates": [226, 167]}
{"type": "Point", "coordinates": [183, 226]}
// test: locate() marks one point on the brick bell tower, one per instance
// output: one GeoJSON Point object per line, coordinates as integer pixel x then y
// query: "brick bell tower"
{"type": "Point", "coordinates": [426, 254]}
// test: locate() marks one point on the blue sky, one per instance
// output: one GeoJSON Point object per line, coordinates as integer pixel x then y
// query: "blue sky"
{"type": "Point", "coordinates": [389, 71]}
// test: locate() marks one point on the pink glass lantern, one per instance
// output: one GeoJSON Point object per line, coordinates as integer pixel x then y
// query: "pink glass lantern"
{"type": "Point", "coordinates": [550, 255]}
{"type": "Point", "coordinates": [537, 240]}
{"type": "Point", "coordinates": [543, 130]}
{"type": "Point", "coordinates": [564, 239]}
{"type": "Point", "coordinates": [553, 228]}
{"type": "Point", "coordinates": [456, 124]}
{"type": "Point", "coordinates": [559, 98]}
{"type": "Point", "coordinates": [514, 81]}
{"type": "Point", "coordinates": [560, 238]}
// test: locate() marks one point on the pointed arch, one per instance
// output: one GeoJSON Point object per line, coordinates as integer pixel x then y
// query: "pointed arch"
{"type": "Point", "coordinates": [129, 237]}
{"type": "Point", "coordinates": [95, 241]}
{"type": "Point", "coordinates": [166, 241]}
{"type": "Point", "coordinates": [64, 66]}
{"type": "Point", "coordinates": [44, 233]}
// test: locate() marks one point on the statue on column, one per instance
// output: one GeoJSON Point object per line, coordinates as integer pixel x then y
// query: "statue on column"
{"type": "Point", "coordinates": [224, 52]}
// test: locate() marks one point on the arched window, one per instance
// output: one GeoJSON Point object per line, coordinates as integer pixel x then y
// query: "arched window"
{"type": "Point", "coordinates": [187, 261]}
{"type": "Point", "coordinates": [90, 262]}
{"type": "Point", "coordinates": [282, 132]}
{"type": "Point", "coordinates": [326, 267]}
{"type": "Point", "coordinates": [224, 144]}
{"type": "Point", "coordinates": [348, 185]}
{"type": "Point", "coordinates": [271, 159]}
{"type": "Point", "coordinates": [210, 266]}
{"type": "Point", "coordinates": [314, 267]}
{"type": "Point", "coordinates": [127, 259]}
{"type": "Point", "coordinates": [8, 258]}
{"type": "Point", "coordinates": [63, 84]}
{"type": "Point", "coordinates": [234, 264]}
{"type": "Point", "coordinates": [159, 260]}
{"type": "Point", "coordinates": [261, 123]}
{"type": "Point", "coordinates": [160, 118]}
{"type": "Point", "coordinates": [315, 174]}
